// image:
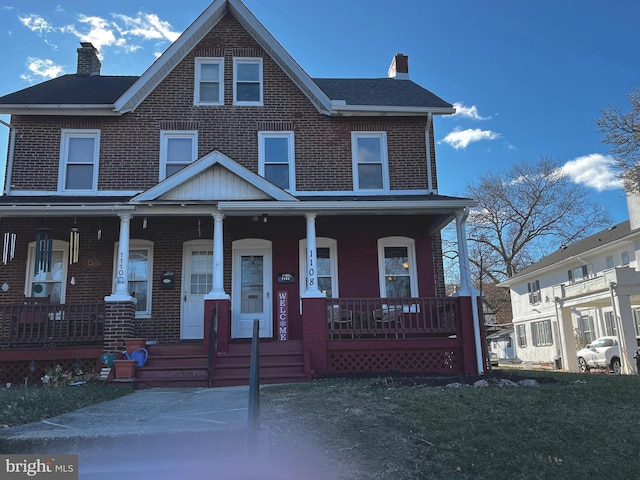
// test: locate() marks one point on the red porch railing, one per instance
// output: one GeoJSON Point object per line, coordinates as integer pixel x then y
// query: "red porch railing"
{"type": "Point", "coordinates": [49, 326]}
{"type": "Point", "coordinates": [397, 318]}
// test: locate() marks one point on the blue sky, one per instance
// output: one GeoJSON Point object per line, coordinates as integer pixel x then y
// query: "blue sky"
{"type": "Point", "coordinates": [528, 78]}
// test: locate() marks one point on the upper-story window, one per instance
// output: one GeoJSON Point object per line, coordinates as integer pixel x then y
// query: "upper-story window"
{"type": "Point", "coordinates": [276, 158]}
{"type": "Point", "coordinates": [534, 292]}
{"type": "Point", "coordinates": [247, 81]}
{"type": "Point", "coordinates": [610, 263]}
{"type": "Point", "coordinates": [625, 259]}
{"type": "Point", "coordinates": [79, 153]}
{"type": "Point", "coordinates": [579, 273]}
{"type": "Point", "coordinates": [209, 83]}
{"type": "Point", "coordinates": [397, 267]}
{"type": "Point", "coordinates": [178, 148]}
{"type": "Point", "coordinates": [370, 169]}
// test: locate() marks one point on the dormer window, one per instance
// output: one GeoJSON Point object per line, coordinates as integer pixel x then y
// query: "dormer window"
{"type": "Point", "coordinates": [370, 168]}
{"type": "Point", "coordinates": [209, 85]}
{"type": "Point", "coordinates": [247, 81]}
{"type": "Point", "coordinates": [79, 152]}
{"type": "Point", "coordinates": [178, 148]}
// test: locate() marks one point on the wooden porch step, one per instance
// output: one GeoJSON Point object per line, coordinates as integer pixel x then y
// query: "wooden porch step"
{"type": "Point", "coordinates": [280, 362]}
{"type": "Point", "coordinates": [176, 365]}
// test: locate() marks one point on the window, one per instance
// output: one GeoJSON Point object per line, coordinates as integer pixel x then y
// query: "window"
{"type": "Point", "coordinates": [580, 273]}
{"type": "Point", "coordinates": [625, 259]}
{"type": "Point", "coordinates": [585, 325]}
{"type": "Point", "coordinates": [140, 274]}
{"type": "Point", "coordinates": [610, 263]}
{"type": "Point", "coordinates": [369, 151]}
{"type": "Point", "coordinates": [636, 317]}
{"type": "Point", "coordinates": [177, 150]}
{"type": "Point", "coordinates": [276, 158]}
{"type": "Point", "coordinates": [326, 266]}
{"type": "Point", "coordinates": [397, 267]}
{"type": "Point", "coordinates": [541, 333]}
{"type": "Point", "coordinates": [534, 292]}
{"type": "Point", "coordinates": [521, 334]}
{"type": "Point", "coordinates": [247, 81]}
{"type": "Point", "coordinates": [50, 284]}
{"type": "Point", "coordinates": [610, 324]}
{"type": "Point", "coordinates": [209, 84]}
{"type": "Point", "coordinates": [79, 153]}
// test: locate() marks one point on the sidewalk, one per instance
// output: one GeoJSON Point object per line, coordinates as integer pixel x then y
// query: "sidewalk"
{"type": "Point", "coordinates": [143, 413]}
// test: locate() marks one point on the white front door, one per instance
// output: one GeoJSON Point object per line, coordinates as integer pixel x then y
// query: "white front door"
{"type": "Point", "coordinates": [251, 297]}
{"type": "Point", "coordinates": [197, 278]}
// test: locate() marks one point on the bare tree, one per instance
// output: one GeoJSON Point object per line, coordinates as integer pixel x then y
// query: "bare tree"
{"type": "Point", "coordinates": [622, 132]}
{"type": "Point", "coordinates": [525, 213]}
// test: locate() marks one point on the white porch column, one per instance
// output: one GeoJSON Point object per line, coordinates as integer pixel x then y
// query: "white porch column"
{"type": "Point", "coordinates": [217, 284]}
{"type": "Point", "coordinates": [466, 288]}
{"type": "Point", "coordinates": [312, 290]}
{"type": "Point", "coordinates": [121, 290]}
{"type": "Point", "coordinates": [463, 253]}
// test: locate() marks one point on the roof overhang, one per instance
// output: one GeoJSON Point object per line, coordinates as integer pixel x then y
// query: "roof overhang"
{"type": "Point", "coordinates": [374, 110]}
{"type": "Point", "coordinates": [63, 210]}
{"type": "Point", "coordinates": [59, 109]}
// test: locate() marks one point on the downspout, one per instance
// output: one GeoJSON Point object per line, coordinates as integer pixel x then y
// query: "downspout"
{"type": "Point", "coordinates": [560, 323]}
{"type": "Point", "coordinates": [428, 147]}
{"type": "Point", "coordinates": [9, 166]}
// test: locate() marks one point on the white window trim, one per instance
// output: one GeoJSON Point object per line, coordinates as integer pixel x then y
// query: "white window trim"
{"type": "Point", "coordinates": [409, 243]}
{"type": "Point", "coordinates": [66, 135]}
{"type": "Point", "coordinates": [291, 152]}
{"type": "Point", "coordinates": [383, 157]}
{"type": "Point", "coordinates": [58, 245]}
{"type": "Point", "coordinates": [165, 135]}
{"type": "Point", "coordinates": [321, 242]}
{"type": "Point", "coordinates": [236, 61]}
{"type": "Point", "coordinates": [136, 244]}
{"type": "Point", "coordinates": [196, 84]}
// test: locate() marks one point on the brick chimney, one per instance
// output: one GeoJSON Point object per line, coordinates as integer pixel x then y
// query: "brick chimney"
{"type": "Point", "coordinates": [399, 68]}
{"type": "Point", "coordinates": [88, 61]}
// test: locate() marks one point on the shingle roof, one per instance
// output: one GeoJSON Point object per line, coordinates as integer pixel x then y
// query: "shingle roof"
{"type": "Point", "coordinates": [72, 90]}
{"type": "Point", "coordinates": [380, 92]}
{"type": "Point", "coordinates": [105, 90]}
{"type": "Point", "coordinates": [596, 240]}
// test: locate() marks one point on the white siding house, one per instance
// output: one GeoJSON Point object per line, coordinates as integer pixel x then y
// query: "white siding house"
{"type": "Point", "coordinates": [580, 292]}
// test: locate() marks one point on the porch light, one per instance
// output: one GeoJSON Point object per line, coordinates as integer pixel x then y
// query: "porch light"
{"type": "Point", "coordinates": [405, 264]}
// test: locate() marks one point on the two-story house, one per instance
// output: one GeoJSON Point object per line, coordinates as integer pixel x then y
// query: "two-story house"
{"type": "Point", "coordinates": [226, 188]}
{"type": "Point", "coordinates": [582, 291]}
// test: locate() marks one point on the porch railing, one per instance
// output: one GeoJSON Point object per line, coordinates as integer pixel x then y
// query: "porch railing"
{"type": "Point", "coordinates": [409, 318]}
{"type": "Point", "coordinates": [48, 326]}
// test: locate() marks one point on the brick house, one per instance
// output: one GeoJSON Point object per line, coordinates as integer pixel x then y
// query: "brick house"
{"type": "Point", "coordinates": [222, 187]}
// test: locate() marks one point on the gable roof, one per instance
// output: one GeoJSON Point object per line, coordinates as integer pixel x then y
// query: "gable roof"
{"type": "Point", "coordinates": [118, 95]}
{"type": "Point", "coordinates": [177, 186]}
{"type": "Point", "coordinates": [568, 252]}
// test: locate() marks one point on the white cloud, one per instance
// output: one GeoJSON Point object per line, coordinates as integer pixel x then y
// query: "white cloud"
{"type": "Point", "coordinates": [468, 112]}
{"type": "Point", "coordinates": [594, 171]}
{"type": "Point", "coordinates": [460, 139]}
{"type": "Point", "coordinates": [36, 23]}
{"type": "Point", "coordinates": [41, 68]}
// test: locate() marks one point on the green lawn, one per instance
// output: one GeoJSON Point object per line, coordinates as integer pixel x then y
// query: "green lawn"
{"type": "Point", "coordinates": [578, 427]}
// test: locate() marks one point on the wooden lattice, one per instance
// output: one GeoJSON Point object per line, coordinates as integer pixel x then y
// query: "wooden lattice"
{"type": "Point", "coordinates": [394, 361]}
{"type": "Point", "coordinates": [16, 372]}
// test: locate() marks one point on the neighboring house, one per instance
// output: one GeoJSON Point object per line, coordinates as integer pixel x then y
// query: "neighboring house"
{"type": "Point", "coordinates": [501, 343]}
{"type": "Point", "coordinates": [226, 188]}
{"type": "Point", "coordinates": [582, 291]}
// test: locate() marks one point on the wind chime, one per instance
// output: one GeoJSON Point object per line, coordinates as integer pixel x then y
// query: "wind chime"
{"type": "Point", "coordinates": [44, 249]}
{"type": "Point", "coordinates": [74, 245]}
{"type": "Point", "coordinates": [8, 247]}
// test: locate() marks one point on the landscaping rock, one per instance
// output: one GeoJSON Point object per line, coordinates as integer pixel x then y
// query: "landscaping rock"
{"type": "Point", "coordinates": [529, 382]}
